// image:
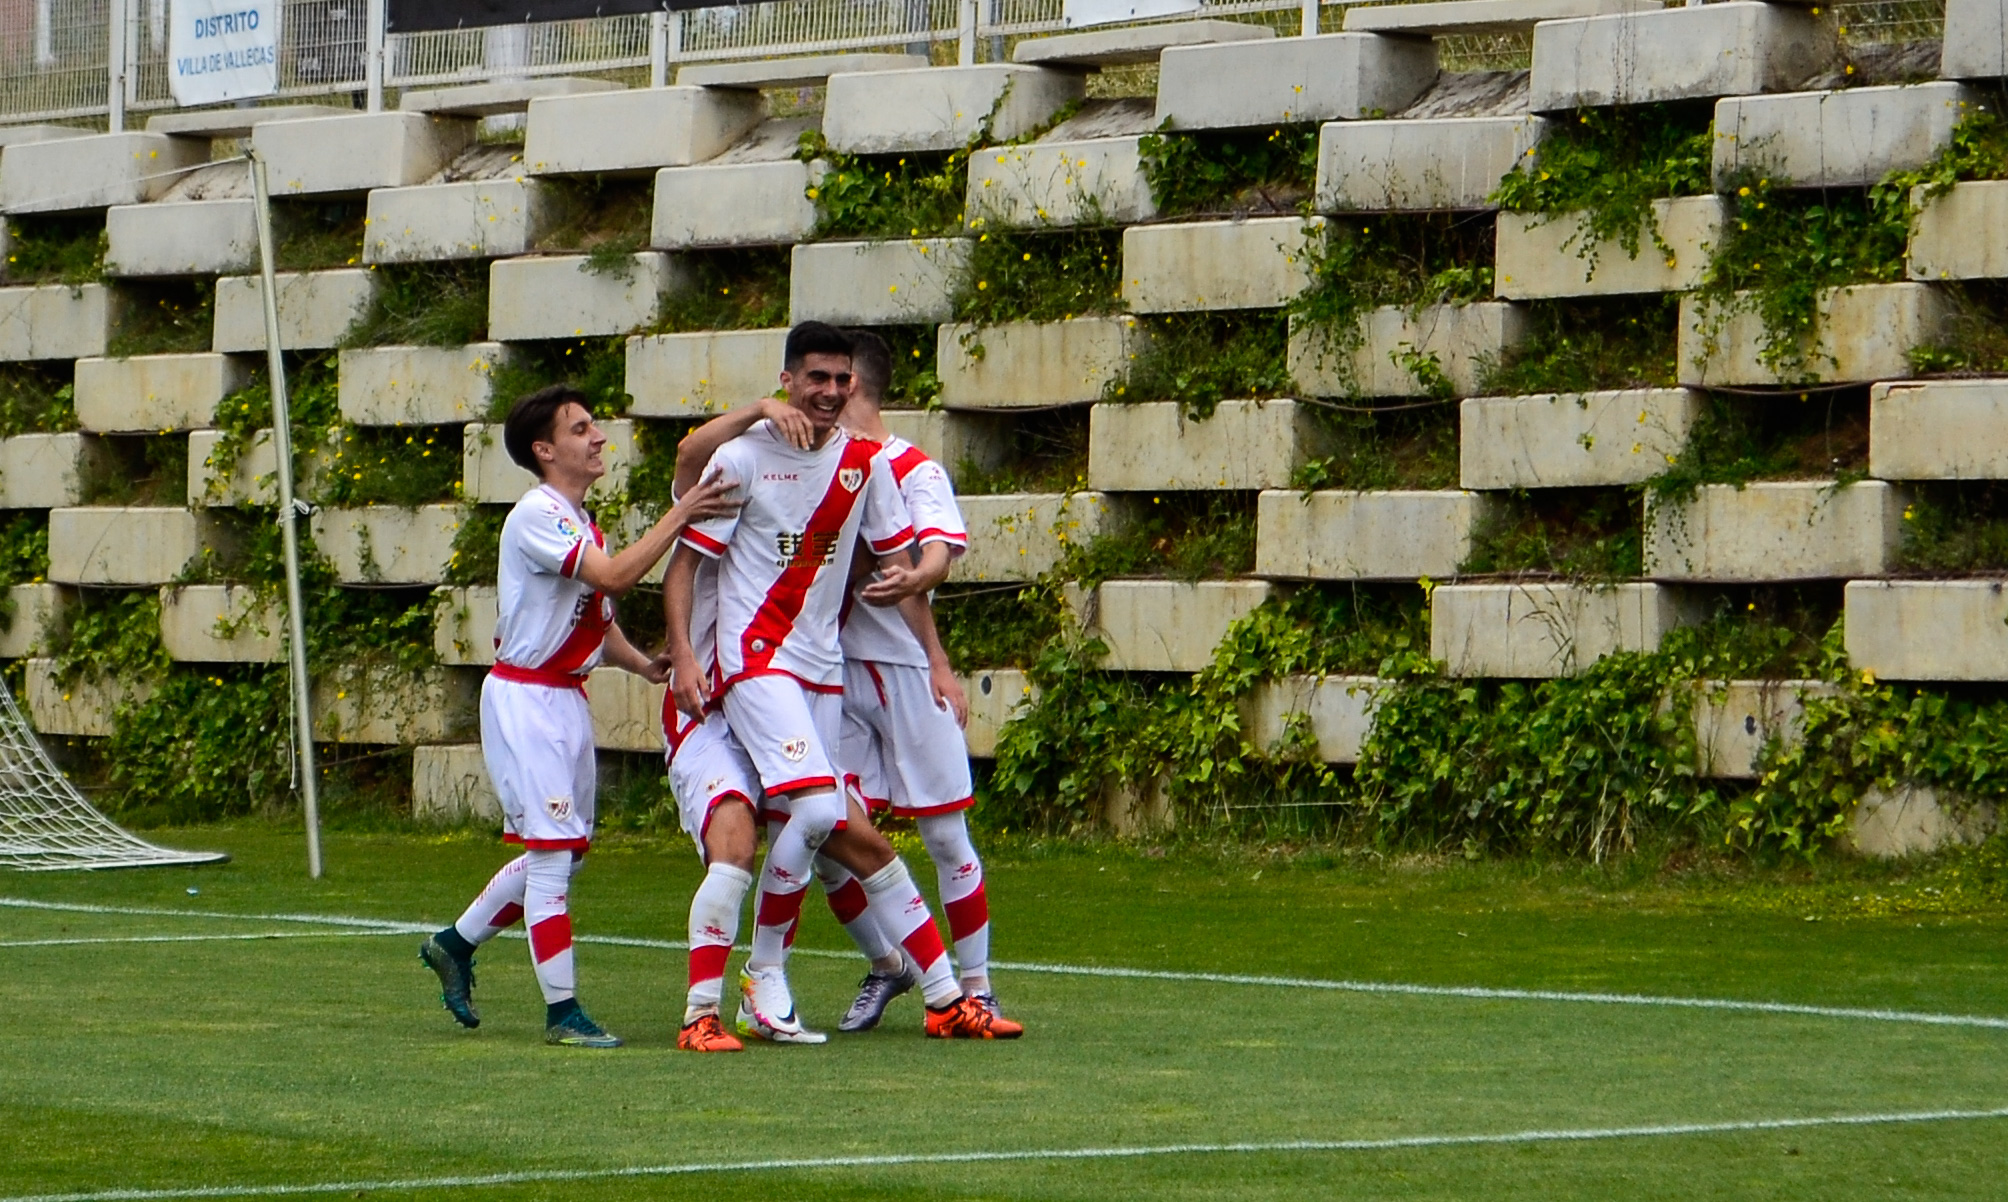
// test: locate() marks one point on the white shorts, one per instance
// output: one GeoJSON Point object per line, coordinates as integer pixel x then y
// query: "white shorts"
{"type": "Point", "coordinates": [538, 744]}
{"type": "Point", "coordinates": [900, 750]}
{"type": "Point", "coordinates": [707, 766]}
{"type": "Point", "coordinates": [787, 729]}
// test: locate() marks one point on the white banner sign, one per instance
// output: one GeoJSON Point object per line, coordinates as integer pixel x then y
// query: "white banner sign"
{"type": "Point", "coordinates": [222, 50]}
{"type": "Point", "coordinates": [1075, 14]}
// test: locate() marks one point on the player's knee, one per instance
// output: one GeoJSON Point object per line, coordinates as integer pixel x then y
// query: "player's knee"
{"type": "Point", "coordinates": [730, 836]}
{"type": "Point", "coordinates": [818, 811]}
{"type": "Point", "coordinates": [946, 837]}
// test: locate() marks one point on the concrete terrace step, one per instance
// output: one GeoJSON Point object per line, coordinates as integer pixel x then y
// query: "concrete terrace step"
{"type": "Point", "coordinates": [236, 123]}
{"type": "Point", "coordinates": [1454, 17]}
{"type": "Point", "coordinates": [501, 96]}
{"type": "Point", "coordinates": [1135, 44]}
{"type": "Point", "coordinates": [801, 72]}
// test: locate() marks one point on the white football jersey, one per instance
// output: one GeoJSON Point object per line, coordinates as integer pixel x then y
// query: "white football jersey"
{"type": "Point", "coordinates": [547, 620]}
{"type": "Point", "coordinates": [877, 633]}
{"type": "Point", "coordinates": [784, 560]}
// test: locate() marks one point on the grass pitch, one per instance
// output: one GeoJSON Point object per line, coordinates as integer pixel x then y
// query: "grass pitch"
{"type": "Point", "coordinates": [323, 1057]}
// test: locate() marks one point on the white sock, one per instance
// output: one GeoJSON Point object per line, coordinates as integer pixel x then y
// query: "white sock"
{"type": "Point", "coordinates": [498, 907]}
{"type": "Point", "coordinates": [545, 908]}
{"type": "Point", "coordinates": [786, 872]}
{"type": "Point", "coordinates": [714, 924]}
{"type": "Point", "coordinates": [852, 908]}
{"type": "Point", "coordinates": [902, 913]}
{"type": "Point", "coordinates": [959, 874]}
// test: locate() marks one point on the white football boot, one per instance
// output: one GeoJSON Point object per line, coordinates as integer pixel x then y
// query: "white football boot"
{"type": "Point", "coordinates": [767, 1009]}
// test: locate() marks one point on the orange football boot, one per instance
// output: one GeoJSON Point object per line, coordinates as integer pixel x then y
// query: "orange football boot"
{"type": "Point", "coordinates": [969, 1018]}
{"type": "Point", "coordinates": [706, 1034]}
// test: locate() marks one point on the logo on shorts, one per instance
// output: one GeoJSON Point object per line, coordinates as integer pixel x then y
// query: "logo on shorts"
{"type": "Point", "coordinates": [713, 785]}
{"type": "Point", "coordinates": [794, 749]}
{"type": "Point", "coordinates": [852, 478]}
{"type": "Point", "coordinates": [560, 808]}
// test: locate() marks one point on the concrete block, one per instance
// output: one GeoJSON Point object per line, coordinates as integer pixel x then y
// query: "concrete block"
{"type": "Point", "coordinates": [632, 131]}
{"type": "Point", "coordinates": [1043, 185]}
{"type": "Point", "coordinates": [627, 711]}
{"type": "Point", "coordinates": [1191, 266]}
{"type": "Point", "coordinates": [155, 393]}
{"type": "Point", "coordinates": [498, 96]}
{"type": "Point", "coordinates": [1459, 339]}
{"type": "Point", "coordinates": [385, 544]}
{"type": "Point", "coordinates": [1244, 445]}
{"type": "Point", "coordinates": [473, 219]}
{"type": "Point", "coordinates": [1340, 710]}
{"type": "Point", "coordinates": [489, 477]}
{"type": "Point", "coordinates": [1939, 430]}
{"type": "Point", "coordinates": [1863, 333]}
{"type": "Point", "coordinates": [1779, 530]}
{"type": "Point", "coordinates": [1539, 256]}
{"type": "Point", "coordinates": [386, 706]}
{"type": "Point", "coordinates": [252, 479]}
{"type": "Point", "coordinates": [84, 708]}
{"type": "Point", "coordinates": [559, 296]}
{"type": "Point", "coordinates": [1445, 163]}
{"type": "Point", "coordinates": [1540, 631]}
{"type": "Point", "coordinates": [1976, 40]}
{"type": "Point", "coordinates": [942, 108]}
{"type": "Point", "coordinates": [1735, 719]}
{"type": "Point", "coordinates": [94, 172]}
{"type": "Point", "coordinates": [1452, 18]}
{"type": "Point", "coordinates": [1130, 809]}
{"type": "Point", "coordinates": [1166, 625]}
{"type": "Point", "coordinates": [1336, 77]}
{"type": "Point", "coordinates": [1915, 820]}
{"type": "Point", "coordinates": [1928, 629]}
{"type": "Point", "coordinates": [1961, 234]}
{"type": "Point", "coordinates": [48, 471]}
{"type": "Point", "coordinates": [107, 545]}
{"type": "Point", "coordinates": [1022, 536]}
{"type": "Point", "coordinates": [1033, 365]}
{"type": "Point", "coordinates": [1096, 48]}
{"type": "Point", "coordinates": [811, 70]}
{"type": "Point", "coordinates": [196, 237]}
{"type": "Point", "coordinates": [55, 321]}
{"type": "Point", "coordinates": [222, 624]}
{"type": "Point", "coordinates": [417, 385]}
{"type": "Point", "coordinates": [449, 783]}
{"type": "Point", "coordinates": [33, 615]}
{"type": "Point", "coordinates": [333, 156]}
{"type": "Point", "coordinates": [41, 133]}
{"type": "Point", "coordinates": [463, 626]}
{"type": "Point", "coordinates": [210, 124]}
{"type": "Point", "coordinates": [696, 375]}
{"type": "Point", "coordinates": [1729, 49]}
{"type": "Point", "coordinates": [875, 283]}
{"type": "Point", "coordinates": [734, 204]}
{"type": "Point", "coordinates": [1842, 139]}
{"type": "Point", "coordinates": [1573, 440]}
{"type": "Point", "coordinates": [952, 439]}
{"type": "Point", "coordinates": [1344, 535]}
{"type": "Point", "coordinates": [994, 697]}
{"type": "Point", "coordinates": [316, 309]}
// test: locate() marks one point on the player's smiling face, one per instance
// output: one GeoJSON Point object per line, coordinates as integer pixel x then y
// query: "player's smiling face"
{"type": "Point", "coordinates": [576, 444]}
{"type": "Point", "coordinates": [820, 389]}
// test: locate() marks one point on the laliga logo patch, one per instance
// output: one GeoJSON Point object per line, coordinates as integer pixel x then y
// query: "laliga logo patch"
{"type": "Point", "coordinates": [852, 478]}
{"type": "Point", "coordinates": [566, 528]}
{"type": "Point", "coordinates": [795, 749]}
{"type": "Point", "coordinates": [560, 808]}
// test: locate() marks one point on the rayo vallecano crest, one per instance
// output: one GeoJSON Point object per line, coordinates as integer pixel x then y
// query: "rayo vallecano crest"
{"type": "Point", "coordinates": [852, 478]}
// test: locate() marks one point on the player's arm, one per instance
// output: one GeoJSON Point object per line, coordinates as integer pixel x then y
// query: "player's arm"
{"type": "Point", "coordinates": [701, 444]}
{"type": "Point", "coordinates": [623, 654]}
{"type": "Point", "coordinates": [679, 598]}
{"type": "Point", "coordinates": [614, 575]}
{"type": "Point", "coordinates": [948, 692]}
{"type": "Point", "coordinates": [900, 577]}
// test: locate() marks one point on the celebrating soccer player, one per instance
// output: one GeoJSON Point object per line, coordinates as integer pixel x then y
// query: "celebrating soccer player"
{"type": "Point", "coordinates": [554, 623]}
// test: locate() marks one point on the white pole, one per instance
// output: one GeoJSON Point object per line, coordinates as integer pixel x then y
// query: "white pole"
{"type": "Point", "coordinates": [965, 40]}
{"type": "Point", "coordinates": [1310, 18]}
{"type": "Point", "coordinates": [658, 49]}
{"type": "Point", "coordinates": [374, 37]}
{"type": "Point", "coordinates": [282, 447]}
{"type": "Point", "coordinates": [115, 64]}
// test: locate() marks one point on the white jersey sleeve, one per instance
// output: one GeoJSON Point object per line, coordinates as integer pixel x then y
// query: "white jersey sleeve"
{"type": "Point", "coordinates": [878, 634]}
{"type": "Point", "coordinates": [710, 538]}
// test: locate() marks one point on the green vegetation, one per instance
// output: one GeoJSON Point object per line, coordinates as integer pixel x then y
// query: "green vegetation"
{"type": "Point", "coordinates": [1608, 166]}
{"type": "Point", "coordinates": [1048, 452]}
{"type": "Point", "coordinates": [311, 402]}
{"type": "Point", "coordinates": [1231, 171]}
{"type": "Point", "coordinates": [996, 625]}
{"type": "Point", "coordinates": [1582, 534]}
{"type": "Point", "coordinates": [427, 304]}
{"type": "Point", "coordinates": [605, 217]}
{"type": "Point", "coordinates": [1017, 276]}
{"type": "Point", "coordinates": [477, 545]}
{"type": "Point", "coordinates": [1186, 536]}
{"type": "Point", "coordinates": [24, 548]}
{"type": "Point", "coordinates": [391, 465]}
{"type": "Point", "coordinates": [1201, 359]}
{"type": "Point", "coordinates": [1955, 528]}
{"type": "Point", "coordinates": [57, 249]}
{"type": "Point", "coordinates": [1386, 446]}
{"type": "Point", "coordinates": [730, 290]}
{"type": "Point", "coordinates": [887, 196]}
{"type": "Point", "coordinates": [141, 469]}
{"type": "Point", "coordinates": [317, 235]}
{"type": "Point", "coordinates": [174, 317]}
{"type": "Point", "coordinates": [594, 366]}
{"type": "Point", "coordinates": [1586, 346]}
{"type": "Point", "coordinates": [36, 398]}
{"type": "Point", "coordinates": [915, 380]}
{"type": "Point", "coordinates": [1738, 440]}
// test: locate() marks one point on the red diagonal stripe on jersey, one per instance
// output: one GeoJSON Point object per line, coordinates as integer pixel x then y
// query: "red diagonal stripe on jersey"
{"type": "Point", "coordinates": [775, 619]}
{"type": "Point", "coordinates": [585, 639]}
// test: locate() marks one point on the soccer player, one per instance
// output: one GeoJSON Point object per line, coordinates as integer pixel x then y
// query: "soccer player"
{"type": "Point", "coordinates": [554, 623]}
{"type": "Point", "coordinates": [783, 575]}
{"type": "Point", "coordinates": [904, 710]}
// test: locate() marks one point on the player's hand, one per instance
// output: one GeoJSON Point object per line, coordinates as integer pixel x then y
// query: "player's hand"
{"type": "Point", "coordinates": [714, 497]}
{"type": "Point", "coordinates": [894, 585]}
{"type": "Point", "coordinates": [948, 693]}
{"type": "Point", "coordinates": [791, 423]}
{"type": "Point", "coordinates": [686, 688]}
{"type": "Point", "coordinates": [658, 670]}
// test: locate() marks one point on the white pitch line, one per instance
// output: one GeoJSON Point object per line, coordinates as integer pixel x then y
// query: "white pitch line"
{"type": "Point", "coordinates": [196, 938]}
{"type": "Point", "coordinates": [903, 1159]}
{"type": "Point", "coordinates": [1382, 988]}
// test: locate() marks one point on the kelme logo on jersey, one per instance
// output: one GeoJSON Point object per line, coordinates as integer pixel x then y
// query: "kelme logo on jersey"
{"type": "Point", "coordinates": [805, 550]}
{"type": "Point", "coordinates": [795, 749]}
{"type": "Point", "coordinates": [852, 478]}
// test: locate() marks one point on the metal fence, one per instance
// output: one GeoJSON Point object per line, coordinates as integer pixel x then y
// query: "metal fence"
{"type": "Point", "coordinates": [55, 55]}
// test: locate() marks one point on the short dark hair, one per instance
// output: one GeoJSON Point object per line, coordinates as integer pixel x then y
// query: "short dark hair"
{"type": "Point", "coordinates": [813, 338]}
{"type": "Point", "coordinates": [532, 419]}
{"type": "Point", "coordinates": [871, 362]}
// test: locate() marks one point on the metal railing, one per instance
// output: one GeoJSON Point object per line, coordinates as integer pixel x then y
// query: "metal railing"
{"type": "Point", "coordinates": [56, 56]}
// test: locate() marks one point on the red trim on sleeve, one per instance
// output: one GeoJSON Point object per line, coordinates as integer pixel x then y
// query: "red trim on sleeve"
{"type": "Point", "coordinates": [702, 543]}
{"type": "Point", "coordinates": [572, 560]}
{"type": "Point", "coordinates": [887, 546]}
{"type": "Point", "coordinates": [938, 535]}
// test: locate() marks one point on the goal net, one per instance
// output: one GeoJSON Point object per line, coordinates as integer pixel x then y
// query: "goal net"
{"type": "Point", "coordinates": [46, 824]}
